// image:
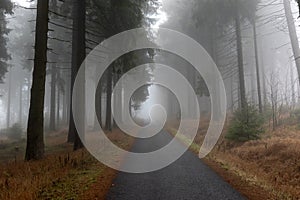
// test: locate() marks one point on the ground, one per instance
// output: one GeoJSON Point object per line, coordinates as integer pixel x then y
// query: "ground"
{"type": "Point", "coordinates": [265, 169]}
{"type": "Point", "coordinates": [63, 174]}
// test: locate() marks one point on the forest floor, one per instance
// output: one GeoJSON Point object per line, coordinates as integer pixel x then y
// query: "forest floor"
{"type": "Point", "coordinates": [62, 174]}
{"type": "Point", "coordinates": [264, 169]}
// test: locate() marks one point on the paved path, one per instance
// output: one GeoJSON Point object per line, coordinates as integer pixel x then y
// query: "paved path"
{"type": "Point", "coordinates": [186, 179]}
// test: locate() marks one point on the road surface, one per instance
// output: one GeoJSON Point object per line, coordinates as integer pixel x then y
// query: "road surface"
{"type": "Point", "coordinates": [186, 179]}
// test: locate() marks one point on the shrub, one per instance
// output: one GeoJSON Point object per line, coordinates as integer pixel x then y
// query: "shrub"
{"type": "Point", "coordinates": [247, 124]}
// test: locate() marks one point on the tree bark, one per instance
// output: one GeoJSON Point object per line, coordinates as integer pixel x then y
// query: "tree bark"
{"type": "Point", "coordinates": [35, 128]}
{"type": "Point", "coordinates": [78, 56]}
{"type": "Point", "coordinates": [293, 34]}
{"type": "Point", "coordinates": [52, 124]}
{"type": "Point", "coordinates": [257, 68]}
{"type": "Point", "coordinates": [8, 100]}
{"type": "Point", "coordinates": [58, 99]}
{"type": "Point", "coordinates": [108, 124]}
{"type": "Point", "coordinates": [292, 86]}
{"type": "Point", "coordinates": [98, 105]}
{"type": "Point", "coordinates": [21, 104]}
{"type": "Point", "coordinates": [240, 58]}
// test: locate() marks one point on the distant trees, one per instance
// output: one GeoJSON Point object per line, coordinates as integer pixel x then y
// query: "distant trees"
{"type": "Point", "coordinates": [218, 17]}
{"type": "Point", "coordinates": [110, 17]}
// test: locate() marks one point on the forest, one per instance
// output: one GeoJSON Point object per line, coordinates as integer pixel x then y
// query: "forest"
{"type": "Point", "coordinates": [149, 99]}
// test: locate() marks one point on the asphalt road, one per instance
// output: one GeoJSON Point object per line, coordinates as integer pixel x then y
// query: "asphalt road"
{"type": "Point", "coordinates": [186, 179]}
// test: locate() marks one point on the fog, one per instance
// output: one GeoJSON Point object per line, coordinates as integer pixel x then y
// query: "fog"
{"type": "Point", "coordinates": [276, 60]}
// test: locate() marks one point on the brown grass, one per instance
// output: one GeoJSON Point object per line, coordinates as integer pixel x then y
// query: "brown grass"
{"type": "Point", "coordinates": [62, 175]}
{"type": "Point", "coordinates": [273, 162]}
{"type": "Point", "coordinates": [265, 169]}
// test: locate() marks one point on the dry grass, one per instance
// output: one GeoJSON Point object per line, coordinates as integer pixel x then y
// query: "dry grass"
{"type": "Point", "coordinates": [271, 164]}
{"type": "Point", "coordinates": [62, 175]}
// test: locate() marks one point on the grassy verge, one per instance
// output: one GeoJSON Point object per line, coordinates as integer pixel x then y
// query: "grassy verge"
{"type": "Point", "coordinates": [263, 169]}
{"type": "Point", "coordinates": [62, 174]}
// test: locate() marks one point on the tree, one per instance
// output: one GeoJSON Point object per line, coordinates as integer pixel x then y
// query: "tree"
{"type": "Point", "coordinates": [78, 56]}
{"type": "Point", "coordinates": [35, 127]}
{"type": "Point", "coordinates": [217, 16]}
{"type": "Point", "coordinates": [247, 124]}
{"type": "Point", "coordinates": [110, 17]}
{"type": "Point", "coordinates": [257, 66]}
{"type": "Point", "coordinates": [293, 34]}
{"type": "Point", "coordinates": [5, 7]}
{"type": "Point", "coordinates": [52, 125]}
{"type": "Point", "coordinates": [237, 19]}
{"type": "Point", "coordinates": [298, 2]}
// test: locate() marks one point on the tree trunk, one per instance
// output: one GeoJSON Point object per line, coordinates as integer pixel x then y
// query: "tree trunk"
{"type": "Point", "coordinates": [257, 68]}
{"type": "Point", "coordinates": [52, 125]}
{"type": "Point", "coordinates": [240, 58]}
{"type": "Point", "coordinates": [293, 34]}
{"type": "Point", "coordinates": [292, 86]}
{"type": "Point", "coordinates": [98, 105]}
{"type": "Point", "coordinates": [35, 128]}
{"type": "Point", "coordinates": [64, 107]}
{"type": "Point", "coordinates": [66, 104]}
{"type": "Point", "coordinates": [108, 125]}
{"type": "Point", "coordinates": [78, 56]}
{"type": "Point", "coordinates": [21, 104]}
{"type": "Point", "coordinates": [263, 79]}
{"type": "Point", "coordinates": [58, 100]}
{"type": "Point", "coordinates": [8, 101]}
{"type": "Point", "coordinates": [115, 99]}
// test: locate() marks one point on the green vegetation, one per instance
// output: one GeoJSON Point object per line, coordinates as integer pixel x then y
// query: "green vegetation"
{"type": "Point", "coordinates": [247, 124]}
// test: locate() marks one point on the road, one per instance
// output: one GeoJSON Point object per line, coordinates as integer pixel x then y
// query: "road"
{"type": "Point", "coordinates": [186, 179]}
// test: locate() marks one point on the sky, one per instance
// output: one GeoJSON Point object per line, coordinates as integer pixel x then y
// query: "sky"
{"type": "Point", "coordinates": [24, 3]}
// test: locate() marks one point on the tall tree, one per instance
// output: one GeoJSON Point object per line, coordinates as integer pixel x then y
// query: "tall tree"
{"type": "Point", "coordinates": [5, 7]}
{"type": "Point", "coordinates": [257, 66]}
{"type": "Point", "coordinates": [240, 55]}
{"type": "Point", "coordinates": [111, 17]}
{"type": "Point", "coordinates": [35, 128]}
{"type": "Point", "coordinates": [293, 34]}
{"type": "Point", "coordinates": [52, 122]}
{"type": "Point", "coordinates": [78, 56]}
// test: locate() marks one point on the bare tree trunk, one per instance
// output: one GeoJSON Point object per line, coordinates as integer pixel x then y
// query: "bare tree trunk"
{"type": "Point", "coordinates": [293, 86]}
{"type": "Point", "coordinates": [35, 128]}
{"type": "Point", "coordinates": [52, 125]}
{"type": "Point", "coordinates": [293, 34]}
{"type": "Point", "coordinates": [66, 104]}
{"type": "Point", "coordinates": [8, 100]}
{"type": "Point", "coordinates": [265, 98]}
{"type": "Point", "coordinates": [108, 124]}
{"type": "Point", "coordinates": [21, 104]}
{"type": "Point", "coordinates": [98, 105]}
{"type": "Point", "coordinates": [257, 68]}
{"type": "Point", "coordinates": [58, 101]}
{"type": "Point", "coordinates": [240, 58]}
{"type": "Point", "coordinates": [78, 56]}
